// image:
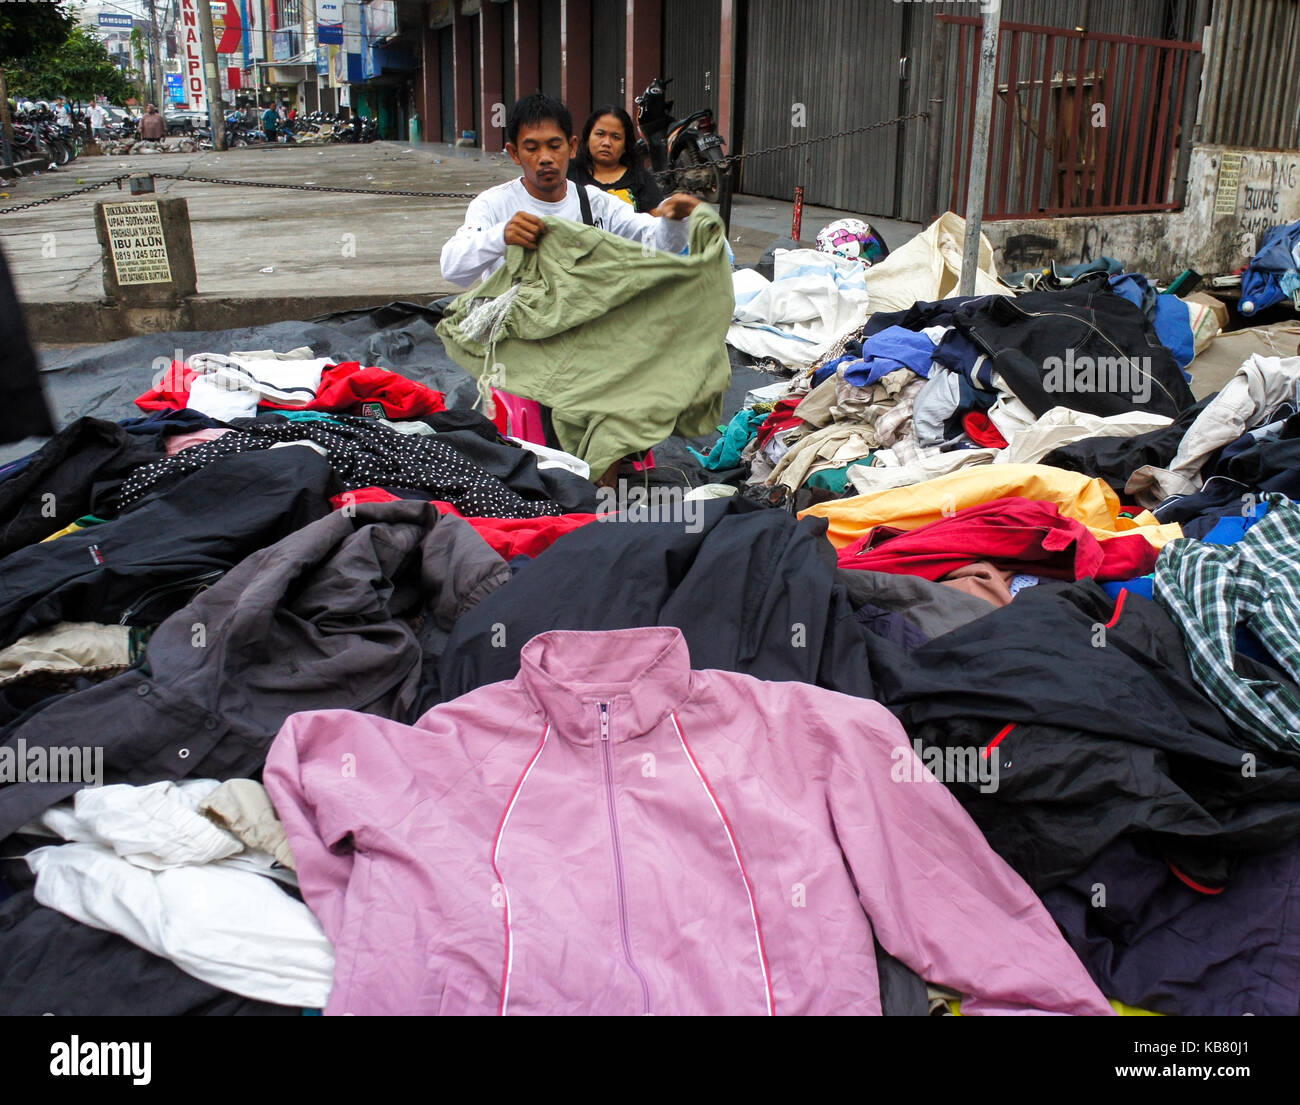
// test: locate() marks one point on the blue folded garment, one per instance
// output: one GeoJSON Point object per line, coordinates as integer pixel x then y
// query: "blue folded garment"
{"type": "Point", "coordinates": [888, 351]}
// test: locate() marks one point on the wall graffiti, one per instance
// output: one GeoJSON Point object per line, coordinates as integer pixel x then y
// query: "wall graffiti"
{"type": "Point", "coordinates": [1268, 196]}
{"type": "Point", "coordinates": [1095, 237]}
{"type": "Point", "coordinates": [1029, 251]}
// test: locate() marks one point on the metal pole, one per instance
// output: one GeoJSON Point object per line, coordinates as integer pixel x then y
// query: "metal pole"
{"type": "Point", "coordinates": [6, 124]}
{"type": "Point", "coordinates": [930, 209]}
{"type": "Point", "coordinates": [796, 222]}
{"type": "Point", "coordinates": [979, 151]}
{"type": "Point", "coordinates": [1191, 96]}
{"type": "Point", "coordinates": [212, 86]}
{"type": "Point", "coordinates": [155, 59]}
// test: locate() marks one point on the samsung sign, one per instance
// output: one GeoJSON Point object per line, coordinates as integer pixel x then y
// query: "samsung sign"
{"type": "Point", "coordinates": [116, 21]}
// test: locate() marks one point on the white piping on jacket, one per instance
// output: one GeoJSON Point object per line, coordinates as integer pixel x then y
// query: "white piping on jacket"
{"type": "Point", "coordinates": [496, 851]}
{"type": "Point", "coordinates": [753, 909]}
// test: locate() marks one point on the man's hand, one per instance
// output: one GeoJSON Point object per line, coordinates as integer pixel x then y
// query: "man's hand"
{"type": "Point", "coordinates": [679, 206]}
{"type": "Point", "coordinates": [525, 230]}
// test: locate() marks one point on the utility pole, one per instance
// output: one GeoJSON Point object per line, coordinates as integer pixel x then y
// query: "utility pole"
{"type": "Point", "coordinates": [6, 124]}
{"type": "Point", "coordinates": [208, 42]}
{"type": "Point", "coordinates": [979, 151]}
{"type": "Point", "coordinates": [159, 80]}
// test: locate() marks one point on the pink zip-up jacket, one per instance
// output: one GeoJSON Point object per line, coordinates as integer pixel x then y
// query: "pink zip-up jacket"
{"type": "Point", "coordinates": [611, 832]}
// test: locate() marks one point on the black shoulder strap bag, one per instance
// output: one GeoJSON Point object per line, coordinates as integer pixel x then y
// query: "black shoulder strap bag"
{"type": "Point", "coordinates": [584, 201]}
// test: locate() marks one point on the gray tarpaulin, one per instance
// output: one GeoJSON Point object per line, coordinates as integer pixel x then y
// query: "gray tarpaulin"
{"type": "Point", "coordinates": [103, 381]}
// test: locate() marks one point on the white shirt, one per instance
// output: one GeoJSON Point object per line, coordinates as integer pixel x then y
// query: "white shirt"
{"type": "Point", "coordinates": [479, 246]}
{"type": "Point", "coordinates": [97, 116]}
{"type": "Point", "coordinates": [63, 116]}
{"type": "Point", "coordinates": [148, 866]}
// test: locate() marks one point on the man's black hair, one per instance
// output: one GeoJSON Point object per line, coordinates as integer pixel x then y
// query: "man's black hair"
{"type": "Point", "coordinates": [535, 109]}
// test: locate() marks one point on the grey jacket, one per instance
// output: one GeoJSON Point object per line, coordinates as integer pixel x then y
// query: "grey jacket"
{"type": "Point", "coordinates": [933, 608]}
{"type": "Point", "coordinates": [316, 621]}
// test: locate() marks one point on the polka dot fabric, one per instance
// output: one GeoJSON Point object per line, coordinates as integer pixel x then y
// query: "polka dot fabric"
{"type": "Point", "coordinates": [362, 454]}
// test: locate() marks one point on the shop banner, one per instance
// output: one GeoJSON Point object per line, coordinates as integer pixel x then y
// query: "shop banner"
{"type": "Point", "coordinates": [192, 56]}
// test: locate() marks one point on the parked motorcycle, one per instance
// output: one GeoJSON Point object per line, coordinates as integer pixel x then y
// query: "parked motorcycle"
{"type": "Point", "coordinates": [37, 136]}
{"type": "Point", "coordinates": [238, 132]}
{"type": "Point", "coordinates": [689, 151]}
{"type": "Point", "coordinates": [28, 144]}
{"type": "Point", "coordinates": [358, 129]}
{"type": "Point", "coordinates": [128, 127]}
{"type": "Point", "coordinates": [58, 140]}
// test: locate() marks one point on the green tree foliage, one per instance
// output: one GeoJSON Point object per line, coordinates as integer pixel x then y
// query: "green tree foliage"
{"type": "Point", "coordinates": [32, 30]}
{"type": "Point", "coordinates": [139, 46]}
{"type": "Point", "coordinates": [78, 68]}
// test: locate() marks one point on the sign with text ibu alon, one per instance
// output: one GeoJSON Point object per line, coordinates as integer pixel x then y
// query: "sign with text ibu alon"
{"type": "Point", "coordinates": [192, 52]}
{"type": "Point", "coordinates": [1225, 196]}
{"type": "Point", "coordinates": [135, 237]}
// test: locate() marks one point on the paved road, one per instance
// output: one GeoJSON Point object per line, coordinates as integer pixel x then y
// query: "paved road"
{"type": "Point", "coordinates": [316, 242]}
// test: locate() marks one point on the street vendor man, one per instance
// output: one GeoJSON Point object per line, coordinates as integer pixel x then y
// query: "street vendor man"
{"type": "Point", "coordinates": [541, 141]}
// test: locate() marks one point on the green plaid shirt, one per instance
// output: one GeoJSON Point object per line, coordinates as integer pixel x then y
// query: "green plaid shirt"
{"type": "Point", "coordinates": [1209, 590]}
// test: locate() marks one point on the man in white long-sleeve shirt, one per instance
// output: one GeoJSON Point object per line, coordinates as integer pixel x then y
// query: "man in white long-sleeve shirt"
{"type": "Point", "coordinates": [541, 142]}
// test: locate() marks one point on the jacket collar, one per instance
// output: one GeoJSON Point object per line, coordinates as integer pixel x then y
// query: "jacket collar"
{"type": "Point", "coordinates": [641, 674]}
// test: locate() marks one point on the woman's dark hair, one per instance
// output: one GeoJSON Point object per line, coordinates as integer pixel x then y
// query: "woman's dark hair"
{"type": "Point", "coordinates": [535, 109]}
{"type": "Point", "coordinates": [629, 137]}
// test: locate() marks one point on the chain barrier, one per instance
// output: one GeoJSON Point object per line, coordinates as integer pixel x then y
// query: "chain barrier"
{"type": "Point", "coordinates": [319, 187]}
{"type": "Point", "coordinates": [727, 163]}
{"type": "Point", "coordinates": [242, 184]}
{"type": "Point", "coordinates": [65, 195]}
{"type": "Point", "coordinates": [735, 159]}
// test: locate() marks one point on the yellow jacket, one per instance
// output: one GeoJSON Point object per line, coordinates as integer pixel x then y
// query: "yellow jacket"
{"type": "Point", "coordinates": [1083, 498]}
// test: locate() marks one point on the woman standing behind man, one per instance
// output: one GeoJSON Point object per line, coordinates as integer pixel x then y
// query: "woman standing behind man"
{"type": "Point", "coordinates": [606, 160]}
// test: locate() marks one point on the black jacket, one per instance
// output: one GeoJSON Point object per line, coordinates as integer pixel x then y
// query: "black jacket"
{"type": "Point", "coordinates": [1115, 459]}
{"type": "Point", "coordinates": [479, 442]}
{"type": "Point", "coordinates": [365, 453]}
{"type": "Point", "coordinates": [1110, 736]}
{"type": "Point", "coordinates": [23, 410]}
{"type": "Point", "coordinates": [1088, 320]}
{"type": "Point", "coordinates": [155, 555]}
{"type": "Point", "coordinates": [753, 591]}
{"type": "Point", "coordinates": [53, 965]}
{"type": "Point", "coordinates": [314, 622]}
{"type": "Point", "coordinates": [77, 472]}
{"type": "Point", "coordinates": [1155, 942]}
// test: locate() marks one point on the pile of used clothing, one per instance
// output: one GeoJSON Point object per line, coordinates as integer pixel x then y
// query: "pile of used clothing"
{"type": "Point", "coordinates": [958, 672]}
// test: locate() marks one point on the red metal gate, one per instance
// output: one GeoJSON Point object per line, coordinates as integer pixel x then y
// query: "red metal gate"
{"type": "Point", "coordinates": [1083, 123]}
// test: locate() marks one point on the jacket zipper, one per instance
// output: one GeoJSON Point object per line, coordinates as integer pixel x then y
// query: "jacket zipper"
{"type": "Point", "coordinates": [624, 931]}
{"type": "Point", "coordinates": [198, 582]}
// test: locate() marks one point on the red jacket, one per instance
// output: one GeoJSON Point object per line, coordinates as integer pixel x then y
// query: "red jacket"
{"type": "Point", "coordinates": [509, 537]}
{"type": "Point", "coordinates": [1016, 534]}
{"type": "Point", "coordinates": [345, 388]}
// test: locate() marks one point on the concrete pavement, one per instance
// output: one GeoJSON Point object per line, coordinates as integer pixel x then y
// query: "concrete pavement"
{"type": "Point", "coordinates": [331, 249]}
{"type": "Point", "coordinates": [315, 243]}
